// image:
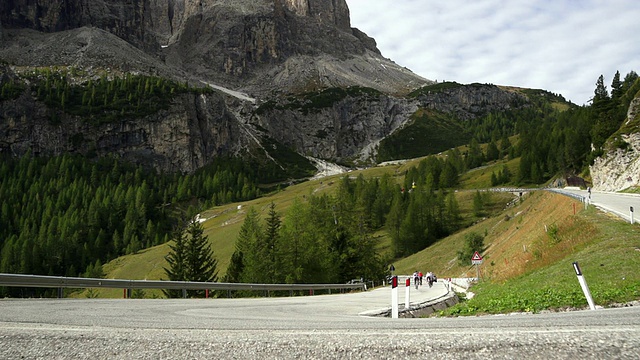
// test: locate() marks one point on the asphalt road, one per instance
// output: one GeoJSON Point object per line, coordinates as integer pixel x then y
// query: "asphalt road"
{"type": "Point", "coordinates": [617, 203]}
{"type": "Point", "coordinates": [314, 327]}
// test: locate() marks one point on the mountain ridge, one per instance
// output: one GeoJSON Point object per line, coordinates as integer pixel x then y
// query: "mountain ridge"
{"type": "Point", "coordinates": [275, 68]}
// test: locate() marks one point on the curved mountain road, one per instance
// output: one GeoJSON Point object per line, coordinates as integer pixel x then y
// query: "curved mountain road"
{"type": "Point", "coordinates": [616, 203]}
{"type": "Point", "coordinates": [318, 327]}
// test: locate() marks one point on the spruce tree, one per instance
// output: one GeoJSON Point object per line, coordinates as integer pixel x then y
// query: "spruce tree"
{"type": "Point", "coordinates": [201, 264]}
{"type": "Point", "coordinates": [473, 242]}
{"type": "Point", "coordinates": [246, 259]}
{"type": "Point", "coordinates": [191, 259]}
{"type": "Point", "coordinates": [616, 86]}
{"type": "Point", "coordinates": [177, 262]}
{"type": "Point", "coordinates": [601, 100]}
{"type": "Point", "coordinates": [272, 236]}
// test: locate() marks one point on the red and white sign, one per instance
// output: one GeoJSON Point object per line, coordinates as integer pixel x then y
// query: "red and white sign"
{"type": "Point", "coordinates": [476, 259]}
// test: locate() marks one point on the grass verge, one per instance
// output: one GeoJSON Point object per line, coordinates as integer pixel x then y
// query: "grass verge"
{"type": "Point", "coordinates": [608, 251]}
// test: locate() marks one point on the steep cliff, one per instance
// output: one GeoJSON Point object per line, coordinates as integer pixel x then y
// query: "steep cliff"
{"type": "Point", "coordinates": [468, 101]}
{"type": "Point", "coordinates": [252, 51]}
{"type": "Point", "coordinates": [619, 167]}
{"type": "Point", "coordinates": [293, 71]}
{"type": "Point", "coordinates": [240, 43]}
{"type": "Point", "coordinates": [349, 123]}
{"type": "Point", "coordinates": [335, 123]}
{"type": "Point", "coordinates": [192, 131]}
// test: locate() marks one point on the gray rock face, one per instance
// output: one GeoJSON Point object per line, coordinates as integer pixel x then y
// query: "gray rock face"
{"type": "Point", "coordinates": [195, 130]}
{"type": "Point", "coordinates": [236, 43]}
{"type": "Point", "coordinates": [619, 168]}
{"type": "Point", "coordinates": [466, 102]}
{"type": "Point", "coordinates": [262, 48]}
{"type": "Point", "coordinates": [340, 131]}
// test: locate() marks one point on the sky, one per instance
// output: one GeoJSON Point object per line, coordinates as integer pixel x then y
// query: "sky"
{"type": "Point", "coordinates": [561, 46]}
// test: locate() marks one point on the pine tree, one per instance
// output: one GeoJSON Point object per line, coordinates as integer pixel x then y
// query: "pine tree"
{"type": "Point", "coordinates": [191, 259]}
{"type": "Point", "coordinates": [616, 86]}
{"type": "Point", "coordinates": [176, 259]}
{"type": "Point", "coordinates": [601, 100]}
{"type": "Point", "coordinates": [492, 151]}
{"type": "Point", "coordinates": [505, 145]}
{"type": "Point", "coordinates": [473, 242]}
{"type": "Point", "coordinates": [271, 238]}
{"type": "Point", "coordinates": [478, 204]}
{"type": "Point", "coordinates": [201, 264]}
{"type": "Point", "coordinates": [249, 239]}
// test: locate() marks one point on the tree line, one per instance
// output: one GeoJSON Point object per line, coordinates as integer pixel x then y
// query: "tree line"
{"type": "Point", "coordinates": [66, 215]}
{"type": "Point", "coordinates": [105, 99]}
{"type": "Point", "coordinates": [329, 238]}
{"type": "Point", "coordinates": [561, 142]}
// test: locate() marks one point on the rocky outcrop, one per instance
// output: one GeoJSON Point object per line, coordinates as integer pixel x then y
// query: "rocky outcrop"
{"type": "Point", "coordinates": [619, 168]}
{"type": "Point", "coordinates": [262, 49]}
{"type": "Point", "coordinates": [339, 131]}
{"type": "Point", "coordinates": [190, 134]}
{"type": "Point", "coordinates": [237, 43]}
{"type": "Point", "coordinates": [468, 101]}
{"type": "Point", "coordinates": [333, 12]}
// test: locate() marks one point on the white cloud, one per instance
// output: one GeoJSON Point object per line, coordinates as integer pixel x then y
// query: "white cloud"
{"type": "Point", "coordinates": [560, 45]}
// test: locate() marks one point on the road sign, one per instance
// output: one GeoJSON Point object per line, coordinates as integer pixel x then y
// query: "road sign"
{"type": "Point", "coordinates": [476, 259]}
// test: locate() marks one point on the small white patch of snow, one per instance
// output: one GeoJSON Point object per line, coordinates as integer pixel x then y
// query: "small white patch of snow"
{"type": "Point", "coordinates": [237, 94]}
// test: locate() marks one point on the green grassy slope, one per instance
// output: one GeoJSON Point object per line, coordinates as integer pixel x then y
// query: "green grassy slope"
{"type": "Point", "coordinates": [530, 246]}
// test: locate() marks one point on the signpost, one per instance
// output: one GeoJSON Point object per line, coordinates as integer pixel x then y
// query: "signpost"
{"type": "Point", "coordinates": [476, 260]}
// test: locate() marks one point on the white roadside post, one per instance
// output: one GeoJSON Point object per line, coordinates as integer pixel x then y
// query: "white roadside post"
{"type": "Point", "coordinates": [394, 297]}
{"type": "Point", "coordinates": [406, 293]}
{"type": "Point", "coordinates": [631, 214]}
{"type": "Point", "coordinates": [583, 284]}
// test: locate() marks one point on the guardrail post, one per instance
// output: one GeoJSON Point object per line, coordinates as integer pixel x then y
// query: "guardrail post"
{"type": "Point", "coordinates": [184, 293]}
{"type": "Point", "coordinates": [60, 293]}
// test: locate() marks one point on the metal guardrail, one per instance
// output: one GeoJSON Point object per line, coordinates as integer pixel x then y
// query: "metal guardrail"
{"type": "Point", "coordinates": [21, 280]}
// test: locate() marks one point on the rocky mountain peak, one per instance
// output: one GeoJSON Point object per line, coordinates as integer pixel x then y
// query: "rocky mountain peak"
{"type": "Point", "coordinates": [249, 52]}
{"type": "Point", "coordinates": [334, 12]}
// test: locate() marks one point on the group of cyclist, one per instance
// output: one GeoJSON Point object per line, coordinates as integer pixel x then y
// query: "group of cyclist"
{"type": "Point", "coordinates": [429, 277]}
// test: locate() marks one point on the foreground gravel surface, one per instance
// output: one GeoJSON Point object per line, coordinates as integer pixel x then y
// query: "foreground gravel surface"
{"type": "Point", "coordinates": [318, 327]}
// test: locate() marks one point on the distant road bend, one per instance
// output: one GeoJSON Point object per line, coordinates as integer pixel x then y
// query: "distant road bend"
{"type": "Point", "coordinates": [619, 204]}
{"type": "Point", "coordinates": [318, 327]}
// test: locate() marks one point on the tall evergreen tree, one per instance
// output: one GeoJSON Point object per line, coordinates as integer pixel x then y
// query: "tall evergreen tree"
{"type": "Point", "coordinates": [272, 237]}
{"type": "Point", "coordinates": [472, 242]}
{"type": "Point", "coordinates": [492, 151]}
{"type": "Point", "coordinates": [616, 86]}
{"type": "Point", "coordinates": [177, 261]}
{"type": "Point", "coordinates": [601, 100]}
{"type": "Point", "coordinates": [191, 259]}
{"type": "Point", "coordinates": [202, 265]}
